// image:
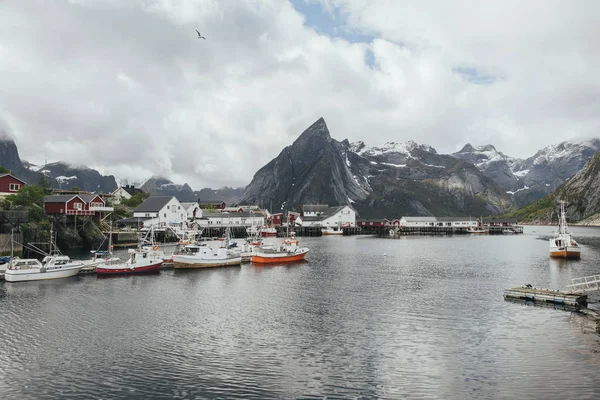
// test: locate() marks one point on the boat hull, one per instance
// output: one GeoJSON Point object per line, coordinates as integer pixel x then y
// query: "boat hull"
{"type": "Point", "coordinates": [268, 234]}
{"type": "Point", "coordinates": [36, 275]}
{"type": "Point", "coordinates": [277, 258]}
{"type": "Point", "coordinates": [183, 262]}
{"type": "Point", "coordinates": [125, 270]}
{"type": "Point", "coordinates": [566, 253]}
{"type": "Point", "coordinates": [335, 233]}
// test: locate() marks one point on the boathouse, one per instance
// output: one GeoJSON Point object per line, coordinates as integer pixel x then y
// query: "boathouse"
{"type": "Point", "coordinates": [457, 222]}
{"type": "Point", "coordinates": [324, 216]}
{"type": "Point", "coordinates": [161, 211]}
{"type": "Point", "coordinates": [192, 210]}
{"type": "Point", "coordinates": [75, 204]}
{"type": "Point", "coordinates": [10, 184]}
{"type": "Point", "coordinates": [236, 219]}
{"type": "Point", "coordinates": [417, 222]}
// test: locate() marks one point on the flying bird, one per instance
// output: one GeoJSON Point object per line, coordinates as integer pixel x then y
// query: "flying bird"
{"type": "Point", "coordinates": [199, 35]}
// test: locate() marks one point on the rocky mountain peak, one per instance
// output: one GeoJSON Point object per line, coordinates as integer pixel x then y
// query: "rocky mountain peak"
{"type": "Point", "coordinates": [317, 132]}
{"type": "Point", "coordinates": [467, 148]}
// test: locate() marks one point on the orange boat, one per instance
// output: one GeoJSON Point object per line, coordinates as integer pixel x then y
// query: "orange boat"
{"type": "Point", "coordinates": [288, 251]}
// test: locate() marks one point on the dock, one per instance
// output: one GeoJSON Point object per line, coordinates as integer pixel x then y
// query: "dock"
{"type": "Point", "coordinates": [546, 296]}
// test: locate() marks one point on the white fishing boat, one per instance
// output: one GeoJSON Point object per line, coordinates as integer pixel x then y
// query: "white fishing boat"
{"type": "Point", "coordinates": [332, 231]}
{"type": "Point", "coordinates": [562, 245]}
{"type": "Point", "coordinates": [53, 266]}
{"type": "Point", "coordinates": [102, 256]}
{"type": "Point", "coordinates": [146, 258]}
{"type": "Point", "coordinates": [204, 256]}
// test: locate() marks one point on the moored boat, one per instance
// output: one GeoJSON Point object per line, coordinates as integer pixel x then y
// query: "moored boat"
{"type": "Point", "coordinates": [140, 261]}
{"type": "Point", "coordinates": [337, 231]}
{"type": "Point", "coordinates": [203, 256]}
{"type": "Point", "coordinates": [562, 245]}
{"type": "Point", "coordinates": [268, 232]}
{"type": "Point", "coordinates": [53, 266]}
{"type": "Point", "coordinates": [288, 251]}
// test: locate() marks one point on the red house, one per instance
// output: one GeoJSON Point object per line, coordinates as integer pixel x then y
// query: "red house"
{"type": "Point", "coordinates": [373, 223]}
{"type": "Point", "coordinates": [275, 220]}
{"type": "Point", "coordinates": [75, 204]}
{"type": "Point", "coordinates": [10, 184]}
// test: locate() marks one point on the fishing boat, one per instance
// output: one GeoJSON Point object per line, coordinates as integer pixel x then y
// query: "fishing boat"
{"type": "Point", "coordinates": [287, 251]}
{"type": "Point", "coordinates": [267, 231]}
{"type": "Point", "coordinates": [333, 231]}
{"type": "Point", "coordinates": [562, 245]}
{"type": "Point", "coordinates": [102, 256]}
{"type": "Point", "coordinates": [144, 259]}
{"type": "Point", "coordinates": [479, 229]}
{"type": "Point", "coordinates": [53, 266]}
{"type": "Point", "coordinates": [202, 255]}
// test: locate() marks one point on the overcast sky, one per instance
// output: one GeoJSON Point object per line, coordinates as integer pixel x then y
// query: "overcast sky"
{"type": "Point", "coordinates": [126, 87]}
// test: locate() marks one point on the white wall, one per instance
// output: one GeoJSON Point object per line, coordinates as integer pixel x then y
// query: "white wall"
{"type": "Point", "coordinates": [344, 217]}
{"type": "Point", "coordinates": [232, 220]}
{"type": "Point", "coordinates": [120, 194]}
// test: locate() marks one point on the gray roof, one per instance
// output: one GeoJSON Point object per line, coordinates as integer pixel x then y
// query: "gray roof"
{"type": "Point", "coordinates": [420, 219]}
{"type": "Point", "coordinates": [131, 220]}
{"type": "Point", "coordinates": [314, 208]}
{"type": "Point", "coordinates": [87, 197]}
{"type": "Point", "coordinates": [188, 204]}
{"type": "Point", "coordinates": [60, 198]}
{"type": "Point", "coordinates": [153, 204]}
{"type": "Point", "coordinates": [131, 190]}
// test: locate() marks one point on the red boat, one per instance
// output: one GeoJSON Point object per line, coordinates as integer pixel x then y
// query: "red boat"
{"type": "Point", "coordinates": [140, 261]}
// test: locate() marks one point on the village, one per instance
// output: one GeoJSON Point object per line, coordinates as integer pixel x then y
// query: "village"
{"type": "Point", "coordinates": [170, 218]}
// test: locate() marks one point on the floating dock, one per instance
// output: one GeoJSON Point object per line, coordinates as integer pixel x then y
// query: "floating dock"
{"type": "Point", "coordinates": [546, 296]}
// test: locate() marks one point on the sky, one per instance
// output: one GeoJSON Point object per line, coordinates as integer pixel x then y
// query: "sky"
{"type": "Point", "coordinates": [126, 87]}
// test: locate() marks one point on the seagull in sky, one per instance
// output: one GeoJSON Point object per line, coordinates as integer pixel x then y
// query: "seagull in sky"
{"type": "Point", "coordinates": [199, 35]}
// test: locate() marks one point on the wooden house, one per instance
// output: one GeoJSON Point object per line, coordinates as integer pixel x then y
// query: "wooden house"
{"type": "Point", "coordinates": [10, 184]}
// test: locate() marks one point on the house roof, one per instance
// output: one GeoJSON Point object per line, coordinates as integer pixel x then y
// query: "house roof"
{"type": "Point", "coordinates": [88, 197]}
{"type": "Point", "coordinates": [153, 204]}
{"type": "Point", "coordinates": [188, 204]}
{"type": "Point", "coordinates": [131, 220]}
{"type": "Point", "coordinates": [11, 175]}
{"type": "Point", "coordinates": [420, 219]}
{"type": "Point", "coordinates": [131, 190]}
{"type": "Point", "coordinates": [212, 203]}
{"type": "Point", "coordinates": [60, 198]}
{"type": "Point", "coordinates": [314, 208]}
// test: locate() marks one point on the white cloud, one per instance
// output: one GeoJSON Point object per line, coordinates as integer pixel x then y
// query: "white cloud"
{"type": "Point", "coordinates": [126, 87]}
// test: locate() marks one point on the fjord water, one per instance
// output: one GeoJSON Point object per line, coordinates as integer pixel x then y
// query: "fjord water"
{"type": "Point", "coordinates": [415, 317]}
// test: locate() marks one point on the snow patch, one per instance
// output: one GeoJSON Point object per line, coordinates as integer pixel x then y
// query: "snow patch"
{"type": "Point", "coordinates": [63, 179]}
{"type": "Point", "coordinates": [390, 147]}
{"type": "Point", "coordinates": [431, 165]}
{"type": "Point", "coordinates": [518, 190]}
{"type": "Point", "coordinates": [350, 200]}
{"type": "Point", "coordinates": [373, 162]}
{"type": "Point", "coordinates": [521, 173]}
{"type": "Point", "coordinates": [394, 165]}
{"type": "Point", "coordinates": [347, 161]}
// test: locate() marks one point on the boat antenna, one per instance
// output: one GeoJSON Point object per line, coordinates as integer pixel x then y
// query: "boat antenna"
{"type": "Point", "coordinates": [12, 243]}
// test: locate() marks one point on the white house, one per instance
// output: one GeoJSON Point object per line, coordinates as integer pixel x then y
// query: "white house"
{"type": "Point", "coordinates": [124, 193]}
{"type": "Point", "coordinates": [160, 211]}
{"type": "Point", "coordinates": [331, 216]}
{"type": "Point", "coordinates": [192, 209]}
{"type": "Point", "coordinates": [457, 222]}
{"type": "Point", "coordinates": [221, 219]}
{"type": "Point", "coordinates": [314, 210]}
{"type": "Point", "coordinates": [417, 222]}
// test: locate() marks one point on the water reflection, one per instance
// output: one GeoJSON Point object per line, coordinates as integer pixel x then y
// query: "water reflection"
{"type": "Point", "coordinates": [361, 317]}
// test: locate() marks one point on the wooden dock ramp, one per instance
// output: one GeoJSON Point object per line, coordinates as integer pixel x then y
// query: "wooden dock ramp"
{"type": "Point", "coordinates": [546, 295]}
{"type": "Point", "coordinates": [585, 284]}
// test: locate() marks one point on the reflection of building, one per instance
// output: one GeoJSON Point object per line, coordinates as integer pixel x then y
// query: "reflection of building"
{"type": "Point", "coordinates": [10, 184]}
{"type": "Point", "coordinates": [324, 216]}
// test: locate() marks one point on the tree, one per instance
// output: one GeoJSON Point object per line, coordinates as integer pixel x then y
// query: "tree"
{"type": "Point", "coordinates": [4, 170]}
{"type": "Point", "coordinates": [43, 182]}
{"type": "Point", "coordinates": [135, 200]}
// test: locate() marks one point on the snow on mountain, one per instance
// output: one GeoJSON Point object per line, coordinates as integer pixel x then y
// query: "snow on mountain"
{"type": "Point", "coordinates": [389, 147]}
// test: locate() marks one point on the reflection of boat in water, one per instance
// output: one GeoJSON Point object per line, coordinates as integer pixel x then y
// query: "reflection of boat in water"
{"type": "Point", "coordinates": [562, 245]}
{"type": "Point", "coordinates": [286, 252]}
{"type": "Point", "coordinates": [508, 231]}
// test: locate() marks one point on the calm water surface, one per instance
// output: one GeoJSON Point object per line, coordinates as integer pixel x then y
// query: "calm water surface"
{"type": "Point", "coordinates": [415, 317]}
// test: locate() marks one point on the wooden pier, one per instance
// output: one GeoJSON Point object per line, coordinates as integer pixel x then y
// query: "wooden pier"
{"type": "Point", "coordinates": [547, 296]}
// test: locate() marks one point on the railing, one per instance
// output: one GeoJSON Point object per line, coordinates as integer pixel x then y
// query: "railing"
{"type": "Point", "coordinates": [585, 284]}
{"type": "Point", "coordinates": [80, 212]}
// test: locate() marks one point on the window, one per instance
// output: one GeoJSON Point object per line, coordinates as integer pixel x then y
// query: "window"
{"type": "Point", "coordinates": [77, 206]}
{"type": "Point", "coordinates": [13, 187]}
{"type": "Point", "coordinates": [168, 207]}
{"type": "Point", "coordinates": [179, 207]}
{"type": "Point", "coordinates": [165, 215]}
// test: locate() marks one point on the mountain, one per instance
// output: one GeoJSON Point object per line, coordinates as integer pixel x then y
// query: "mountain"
{"type": "Point", "coordinates": [581, 192]}
{"type": "Point", "coordinates": [84, 178]}
{"type": "Point", "coordinates": [159, 186]}
{"type": "Point", "coordinates": [58, 175]}
{"type": "Point", "coordinates": [392, 180]}
{"type": "Point", "coordinates": [532, 178]}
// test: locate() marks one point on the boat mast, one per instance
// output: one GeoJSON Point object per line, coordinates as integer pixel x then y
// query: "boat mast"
{"type": "Point", "coordinates": [110, 245]}
{"type": "Point", "coordinates": [562, 227]}
{"type": "Point", "coordinates": [12, 243]}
